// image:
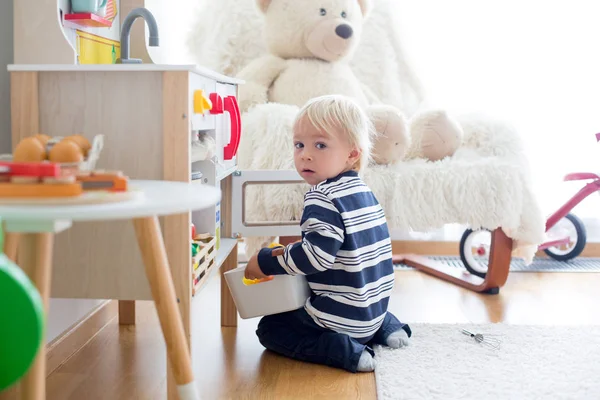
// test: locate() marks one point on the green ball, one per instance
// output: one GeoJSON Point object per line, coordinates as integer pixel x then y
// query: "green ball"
{"type": "Point", "coordinates": [21, 323]}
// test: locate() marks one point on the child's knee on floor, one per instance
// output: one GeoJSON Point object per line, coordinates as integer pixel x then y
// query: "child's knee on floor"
{"type": "Point", "coordinates": [292, 336]}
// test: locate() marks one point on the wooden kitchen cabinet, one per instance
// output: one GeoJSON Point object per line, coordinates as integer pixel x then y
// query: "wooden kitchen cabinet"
{"type": "Point", "coordinates": [148, 114]}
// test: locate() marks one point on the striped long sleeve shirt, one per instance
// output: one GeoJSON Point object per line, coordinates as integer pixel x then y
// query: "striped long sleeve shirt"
{"type": "Point", "coordinates": [346, 255]}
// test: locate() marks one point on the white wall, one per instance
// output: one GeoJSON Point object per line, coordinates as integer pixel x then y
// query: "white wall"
{"type": "Point", "coordinates": [65, 313]}
{"type": "Point", "coordinates": [174, 19]}
{"type": "Point", "coordinates": [534, 64]}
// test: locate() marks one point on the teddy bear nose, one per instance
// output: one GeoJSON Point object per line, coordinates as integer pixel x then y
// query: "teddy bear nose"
{"type": "Point", "coordinates": [344, 31]}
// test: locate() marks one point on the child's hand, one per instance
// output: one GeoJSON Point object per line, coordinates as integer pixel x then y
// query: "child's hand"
{"type": "Point", "coordinates": [253, 270]}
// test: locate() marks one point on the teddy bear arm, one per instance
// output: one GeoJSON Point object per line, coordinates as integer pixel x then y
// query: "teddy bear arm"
{"type": "Point", "coordinates": [263, 71]}
{"type": "Point", "coordinates": [258, 75]}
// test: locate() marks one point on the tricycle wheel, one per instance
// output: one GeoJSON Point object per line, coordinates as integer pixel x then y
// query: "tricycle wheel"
{"type": "Point", "coordinates": [573, 228]}
{"type": "Point", "coordinates": [474, 249]}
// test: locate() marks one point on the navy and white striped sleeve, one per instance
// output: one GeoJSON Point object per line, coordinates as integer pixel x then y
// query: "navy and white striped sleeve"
{"type": "Point", "coordinates": [323, 235]}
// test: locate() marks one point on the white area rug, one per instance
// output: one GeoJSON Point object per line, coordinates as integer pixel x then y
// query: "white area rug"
{"type": "Point", "coordinates": [533, 362]}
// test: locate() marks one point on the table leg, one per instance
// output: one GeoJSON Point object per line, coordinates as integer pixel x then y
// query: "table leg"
{"type": "Point", "coordinates": [12, 393]}
{"type": "Point", "coordinates": [11, 245]}
{"type": "Point", "coordinates": [228, 309]}
{"type": "Point", "coordinates": [36, 260]}
{"type": "Point", "coordinates": [155, 260]}
{"type": "Point", "coordinates": [126, 312]}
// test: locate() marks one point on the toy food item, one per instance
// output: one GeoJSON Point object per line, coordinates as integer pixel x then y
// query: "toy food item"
{"type": "Point", "coordinates": [66, 151]}
{"type": "Point", "coordinates": [36, 179]}
{"type": "Point", "coordinates": [82, 142]}
{"type": "Point", "coordinates": [29, 149]}
{"type": "Point", "coordinates": [54, 188]}
{"type": "Point", "coordinates": [47, 179]}
{"type": "Point", "coordinates": [255, 281]}
{"type": "Point", "coordinates": [43, 138]}
{"type": "Point", "coordinates": [195, 248]}
{"type": "Point", "coordinates": [101, 180]}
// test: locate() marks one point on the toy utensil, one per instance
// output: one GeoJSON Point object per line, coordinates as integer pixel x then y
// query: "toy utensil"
{"type": "Point", "coordinates": [255, 281]}
{"type": "Point", "coordinates": [486, 340]}
{"type": "Point", "coordinates": [268, 278]}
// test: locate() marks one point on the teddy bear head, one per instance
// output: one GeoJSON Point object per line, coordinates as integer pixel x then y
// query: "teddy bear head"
{"type": "Point", "coordinates": [325, 29]}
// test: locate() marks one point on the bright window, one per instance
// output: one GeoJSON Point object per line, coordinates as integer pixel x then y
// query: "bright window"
{"type": "Point", "coordinates": [535, 64]}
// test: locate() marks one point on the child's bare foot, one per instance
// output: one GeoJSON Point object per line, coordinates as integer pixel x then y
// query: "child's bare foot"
{"type": "Point", "coordinates": [397, 339]}
{"type": "Point", "coordinates": [366, 362]}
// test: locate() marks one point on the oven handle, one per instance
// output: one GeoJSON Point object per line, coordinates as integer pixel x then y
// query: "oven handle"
{"type": "Point", "coordinates": [230, 105]}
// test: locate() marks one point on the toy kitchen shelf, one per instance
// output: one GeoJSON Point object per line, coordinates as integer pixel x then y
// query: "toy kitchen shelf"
{"type": "Point", "coordinates": [77, 20]}
{"type": "Point", "coordinates": [148, 115]}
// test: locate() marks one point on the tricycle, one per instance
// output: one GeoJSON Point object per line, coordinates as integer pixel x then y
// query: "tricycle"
{"type": "Point", "coordinates": [565, 231]}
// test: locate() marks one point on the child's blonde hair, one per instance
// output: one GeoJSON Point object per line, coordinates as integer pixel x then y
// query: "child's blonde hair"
{"type": "Point", "coordinates": [331, 113]}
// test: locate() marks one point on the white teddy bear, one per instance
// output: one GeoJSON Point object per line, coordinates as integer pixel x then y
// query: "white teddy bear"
{"type": "Point", "coordinates": [310, 42]}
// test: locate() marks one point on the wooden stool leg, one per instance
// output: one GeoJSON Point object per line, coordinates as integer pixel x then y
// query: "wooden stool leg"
{"type": "Point", "coordinates": [498, 269]}
{"type": "Point", "coordinates": [35, 259]}
{"type": "Point", "coordinates": [154, 255]}
{"type": "Point", "coordinates": [126, 312]}
{"type": "Point", "coordinates": [228, 309]}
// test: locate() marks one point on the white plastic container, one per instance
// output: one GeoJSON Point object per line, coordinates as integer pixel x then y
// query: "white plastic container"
{"type": "Point", "coordinates": [282, 293]}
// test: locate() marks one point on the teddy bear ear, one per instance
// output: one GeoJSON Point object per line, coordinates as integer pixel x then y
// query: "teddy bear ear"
{"type": "Point", "coordinates": [365, 6]}
{"type": "Point", "coordinates": [263, 5]}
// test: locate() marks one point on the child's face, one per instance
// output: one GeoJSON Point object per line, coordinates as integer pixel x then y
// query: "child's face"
{"type": "Point", "coordinates": [319, 155]}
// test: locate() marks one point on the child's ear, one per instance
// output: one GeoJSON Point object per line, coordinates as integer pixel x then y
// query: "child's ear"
{"type": "Point", "coordinates": [354, 156]}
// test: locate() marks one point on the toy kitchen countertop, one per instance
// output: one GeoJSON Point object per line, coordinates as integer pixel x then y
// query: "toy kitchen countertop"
{"type": "Point", "coordinates": [125, 67]}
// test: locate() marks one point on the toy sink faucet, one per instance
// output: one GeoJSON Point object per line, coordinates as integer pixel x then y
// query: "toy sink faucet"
{"type": "Point", "coordinates": [126, 30]}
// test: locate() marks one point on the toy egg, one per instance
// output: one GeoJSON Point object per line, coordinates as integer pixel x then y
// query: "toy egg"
{"type": "Point", "coordinates": [43, 138]}
{"type": "Point", "coordinates": [66, 151]}
{"type": "Point", "coordinates": [82, 142]}
{"type": "Point", "coordinates": [29, 149]}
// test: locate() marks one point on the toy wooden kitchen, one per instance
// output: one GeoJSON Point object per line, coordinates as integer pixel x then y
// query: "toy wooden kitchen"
{"type": "Point", "coordinates": [160, 122]}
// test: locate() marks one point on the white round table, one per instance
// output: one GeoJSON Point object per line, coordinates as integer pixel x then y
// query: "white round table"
{"type": "Point", "coordinates": [38, 223]}
{"type": "Point", "coordinates": [158, 198]}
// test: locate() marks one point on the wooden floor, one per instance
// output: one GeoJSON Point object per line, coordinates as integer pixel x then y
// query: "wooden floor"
{"type": "Point", "coordinates": [129, 362]}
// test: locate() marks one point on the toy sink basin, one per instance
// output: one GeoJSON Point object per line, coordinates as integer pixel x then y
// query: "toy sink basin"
{"type": "Point", "coordinates": [280, 294]}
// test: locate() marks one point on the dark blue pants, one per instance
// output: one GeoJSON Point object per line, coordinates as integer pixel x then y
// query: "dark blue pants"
{"type": "Point", "coordinates": [294, 334]}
